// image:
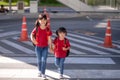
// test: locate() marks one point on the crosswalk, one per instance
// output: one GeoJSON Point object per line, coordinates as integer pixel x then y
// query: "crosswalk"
{"type": "Point", "coordinates": [80, 45]}
{"type": "Point", "coordinates": [87, 61]}
{"type": "Point", "coordinates": [83, 68]}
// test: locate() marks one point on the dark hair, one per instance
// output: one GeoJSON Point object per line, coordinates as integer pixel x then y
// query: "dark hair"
{"type": "Point", "coordinates": [42, 16]}
{"type": "Point", "coordinates": [61, 29]}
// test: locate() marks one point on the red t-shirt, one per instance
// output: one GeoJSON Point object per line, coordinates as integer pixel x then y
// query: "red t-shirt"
{"type": "Point", "coordinates": [42, 36]}
{"type": "Point", "coordinates": [59, 44]}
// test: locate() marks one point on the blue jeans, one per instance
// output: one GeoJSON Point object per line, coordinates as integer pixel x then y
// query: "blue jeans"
{"type": "Point", "coordinates": [42, 53]}
{"type": "Point", "coordinates": [59, 62]}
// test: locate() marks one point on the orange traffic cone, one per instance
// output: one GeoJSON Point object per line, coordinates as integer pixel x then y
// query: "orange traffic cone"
{"type": "Point", "coordinates": [48, 21]}
{"type": "Point", "coordinates": [48, 17]}
{"type": "Point", "coordinates": [45, 10]}
{"type": "Point", "coordinates": [108, 37]}
{"type": "Point", "coordinates": [24, 34]}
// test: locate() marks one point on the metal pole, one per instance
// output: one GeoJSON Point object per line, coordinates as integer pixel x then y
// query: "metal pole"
{"type": "Point", "coordinates": [10, 5]}
{"type": "Point", "coordinates": [110, 3]}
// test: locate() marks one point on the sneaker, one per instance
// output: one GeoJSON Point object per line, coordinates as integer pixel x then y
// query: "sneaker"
{"type": "Point", "coordinates": [61, 76]}
{"type": "Point", "coordinates": [44, 76]}
{"type": "Point", "coordinates": [39, 74]}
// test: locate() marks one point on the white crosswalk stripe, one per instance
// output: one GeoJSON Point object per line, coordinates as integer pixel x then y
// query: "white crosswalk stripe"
{"type": "Point", "coordinates": [72, 60]}
{"type": "Point", "coordinates": [9, 33]}
{"type": "Point", "coordinates": [24, 69]}
{"type": "Point", "coordinates": [3, 50]}
{"type": "Point", "coordinates": [92, 44]}
{"type": "Point", "coordinates": [26, 50]}
{"type": "Point", "coordinates": [89, 49]}
{"type": "Point", "coordinates": [78, 42]}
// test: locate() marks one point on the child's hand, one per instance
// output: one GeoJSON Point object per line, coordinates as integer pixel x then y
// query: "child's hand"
{"type": "Point", "coordinates": [64, 49]}
{"type": "Point", "coordinates": [51, 50]}
{"type": "Point", "coordinates": [35, 42]}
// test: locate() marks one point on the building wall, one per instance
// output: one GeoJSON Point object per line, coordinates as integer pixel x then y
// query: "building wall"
{"type": "Point", "coordinates": [112, 3]}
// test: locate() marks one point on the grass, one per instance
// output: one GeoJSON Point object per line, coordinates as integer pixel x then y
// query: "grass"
{"type": "Point", "coordinates": [26, 4]}
{"type": "Point", "coordinates": [13, 4]}
{"type": "Point", "coordinates": [52, 4]}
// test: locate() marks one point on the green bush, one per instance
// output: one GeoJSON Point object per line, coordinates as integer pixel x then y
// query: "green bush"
{"type": "Point", "coordinates": [11, 0]}
{"type": "Point", "coordinates": [49, 3]}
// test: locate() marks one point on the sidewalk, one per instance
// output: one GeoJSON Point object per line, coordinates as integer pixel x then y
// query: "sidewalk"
{"type": "Point", "coordinates": [57, 12]}
{"type": "Point", "coordinates": [26, 13]}
{"type": "Point", "coordinates": [25, 68]}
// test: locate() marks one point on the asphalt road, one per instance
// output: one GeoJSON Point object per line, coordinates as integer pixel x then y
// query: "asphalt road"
{"type": "Point", "coordinates": [87, 61]}
{"type": "Point", "coordinates": [88, 26]}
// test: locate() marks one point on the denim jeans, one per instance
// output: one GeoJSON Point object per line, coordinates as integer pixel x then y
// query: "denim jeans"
{"type": "Point", "coordinates": [41, 53]}
{"type": "Point", "coordinates": [59, 62]}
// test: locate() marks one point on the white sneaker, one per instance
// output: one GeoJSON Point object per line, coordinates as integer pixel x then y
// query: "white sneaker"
{"type": "Point", "coordinates": [44, 76]}
{"type": "Point", "coordinates": [39, 74]}
{"type": "Point", "coordinates": [61, 76]}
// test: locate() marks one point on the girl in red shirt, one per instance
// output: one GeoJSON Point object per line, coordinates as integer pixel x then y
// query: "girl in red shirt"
{"type": "Point", "coordinates": [41, 36]}
{"type": "Point", "coordinates": [61, 45]}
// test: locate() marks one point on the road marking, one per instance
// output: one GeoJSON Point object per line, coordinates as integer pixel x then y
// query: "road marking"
{"type": "Point", "coordinates": [25, 42]}
{"type": "Point", "coordinates": [92, 44]}
{"type": "Point", "coordinates": [1, 30]}
{"type": "Point", "coordinates": [3, 50]}
{"type": "Point", "coordinates": [101, 25]}
{"type": "Point", "coordinates": [88, 49]}
{"type": "Point", "coordinates": [9, 33]}
{"type": "Point", "coordinates": [85, 48]}
{"type": "Point", "coordinates": [69, 60]}
{"type": "Point", "coordinates": [26, 50]}
{"type": "Point", "coordinates": [82, 37]}
{"type": "Point", "coordinates": [76, 51]}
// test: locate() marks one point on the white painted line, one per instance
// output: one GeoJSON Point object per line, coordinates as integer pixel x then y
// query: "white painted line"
{"type": "Point", "coordinates": [25, 42]}
{"type": "Point", "coordinates": [89, 49]}
{"type": "Point", "coordinates": [101, 25]}
{"type": "Point", "coordinates": [82, 37]}
{"type": "Point", "coordinates": [1, 30]}
{"type": "Point", "coordinates": [28, 43]}
{"type": "Point", "coordinates": [116, 29]}
{"type": "Point", "coordinates": [94, 74]}
{"type": "Point", "coordinates": [3, 50]}
{"type": "Point", "coordinates": [69, 60]}
{"type": "Point", "coordinates": [89, 60]}
{"type": "Point", "coordinates": [12, 44]}
{"type": "Point", "coordinates": [92, 44]}
{"type": "Point", "coordinates": [76, 51]}
{"type": "Point", "coordinates": [93, 40]}
{"type": "Point", "coordinates": [9, 33]}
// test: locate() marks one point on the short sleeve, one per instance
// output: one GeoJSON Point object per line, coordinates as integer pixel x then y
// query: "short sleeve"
{"type": "Point", "coordinates": [34, 31]}
{"type": "Point", "coordinates": [49, 32]}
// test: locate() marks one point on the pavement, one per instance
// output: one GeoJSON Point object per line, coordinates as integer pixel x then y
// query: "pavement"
{"type": "Point", "coordinates": [76, 68]}
{"type": "Point", "coordinates": [60, 12]}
